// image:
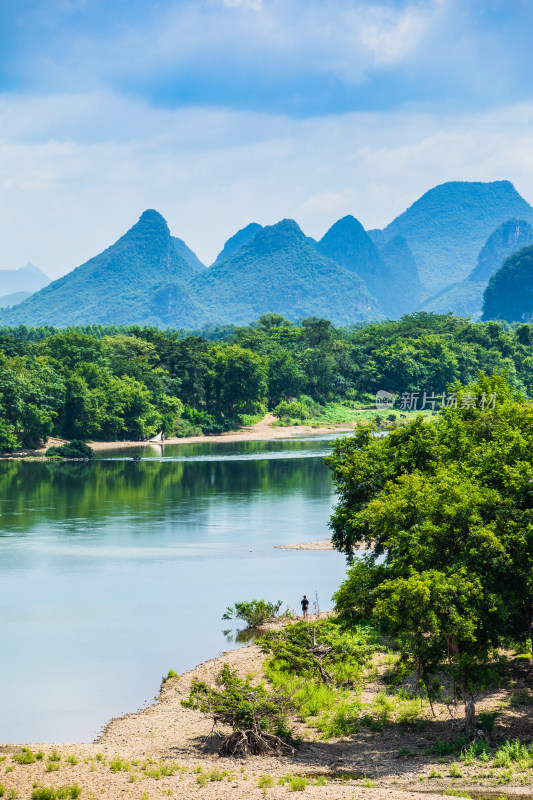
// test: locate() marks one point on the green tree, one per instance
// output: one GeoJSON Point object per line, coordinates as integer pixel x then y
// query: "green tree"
{"type": "Point", "coordinates": [446, 505]}
{"type": "Point", "coordinates": [238, 381]}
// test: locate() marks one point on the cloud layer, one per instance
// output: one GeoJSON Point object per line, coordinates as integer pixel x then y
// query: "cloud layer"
{"type": "Point", "coordinates": [67, 195]}
{"type": "Point", "coordinates": [219, 112]}
{"type": "Point", "coordinates": [303, 57]}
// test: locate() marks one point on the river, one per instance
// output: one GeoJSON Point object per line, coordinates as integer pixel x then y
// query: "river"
{"type": "Point", "coordinates": [114, 571]}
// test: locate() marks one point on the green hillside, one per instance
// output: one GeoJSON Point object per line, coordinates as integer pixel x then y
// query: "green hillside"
{"type": "Point", "coordinates": [509, 295]}
{"type": "Point", "coordinates": [129, 282]}
{"type": "Point", "coordinates": [238, 240]}
{"type": "Point", "coordinates": [466, 298]}
{"type": "Point", "coordinates": [447, 227]}
{"type": "Point", "coordinates": [390, 276]}
{"type": "Point", "coordinates": [280, 271]}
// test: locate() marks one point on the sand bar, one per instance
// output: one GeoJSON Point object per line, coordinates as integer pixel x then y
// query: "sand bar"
{"type": "Point", "coordinates": [325, 545]}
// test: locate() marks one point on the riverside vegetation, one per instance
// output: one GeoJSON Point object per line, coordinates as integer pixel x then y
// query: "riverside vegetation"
{"type": "Point", "coordinates": [444, 596]}
{"type": "Point", "coordinates": [439, 613]}
{"type": "Point", "coordinates": [112, 383]}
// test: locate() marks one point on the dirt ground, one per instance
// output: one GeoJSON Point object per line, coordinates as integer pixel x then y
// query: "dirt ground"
{"type": "Point", "coordinates": [167, 750]}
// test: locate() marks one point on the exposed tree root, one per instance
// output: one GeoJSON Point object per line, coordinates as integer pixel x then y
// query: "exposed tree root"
{"type": "Point", "coordinates": [254, 742]}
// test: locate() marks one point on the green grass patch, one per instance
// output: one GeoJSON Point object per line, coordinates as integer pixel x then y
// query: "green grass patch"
{"type": "Point", "coordinates": [296, 783]}
{"type": "Point", "coordinates": [56, 792]}
{"type": "Point", "coordinates": [25, 757]}
{"type": "Point", "coordinates": [118, 764]}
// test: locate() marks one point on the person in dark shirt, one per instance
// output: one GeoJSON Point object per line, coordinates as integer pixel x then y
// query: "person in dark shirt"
{"type": "Point", "coordinates": [305, 606]}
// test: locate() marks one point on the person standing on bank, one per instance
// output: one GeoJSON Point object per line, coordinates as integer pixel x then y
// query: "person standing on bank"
{"type": "Point", "coordinates": [305, 606]}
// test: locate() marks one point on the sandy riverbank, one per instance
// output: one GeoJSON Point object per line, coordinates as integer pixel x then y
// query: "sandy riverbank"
{"type": "Point", "coordinates": [262, 431]}
{"type": "Point", "coordinates": [168, 750]}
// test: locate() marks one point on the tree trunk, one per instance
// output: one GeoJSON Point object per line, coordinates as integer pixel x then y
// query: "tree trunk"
{"type": "Point", "coordinates": [470, 710]}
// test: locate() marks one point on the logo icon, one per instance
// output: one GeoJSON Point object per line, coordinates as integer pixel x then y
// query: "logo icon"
{"type": "Point", "coordinates": [384, 400]}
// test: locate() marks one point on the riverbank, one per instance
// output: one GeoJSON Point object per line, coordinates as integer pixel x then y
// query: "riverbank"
{"type": "Point", "coordinates": [168, 750]}
{"type": "Point", "coordinates": [262, 431]}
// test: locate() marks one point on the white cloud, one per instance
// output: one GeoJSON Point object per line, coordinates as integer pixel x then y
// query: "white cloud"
{"type": "Point", "coordinates": [289, 39]}
{"type": "Point", "coordinates": [392, 34]}
{"type": "Point", "coordinates": [65, 195]}
{"type": "Point", "coordinates": [255, 5]}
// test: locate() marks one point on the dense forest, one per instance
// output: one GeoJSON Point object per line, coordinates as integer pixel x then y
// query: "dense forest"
{"type": "Point", "coordinates": [112, 383]}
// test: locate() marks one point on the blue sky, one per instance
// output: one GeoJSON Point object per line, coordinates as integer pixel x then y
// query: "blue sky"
{"type": "Point", "coordinates": [219, 112]}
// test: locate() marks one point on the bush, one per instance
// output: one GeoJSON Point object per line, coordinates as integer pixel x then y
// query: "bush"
{"type": "Point", "coordinates": [254, 612]}
{"type": "Point", "coordinates": [487, 720]}
{"type": "Point", "coordinates": [320, 650]}
{"type": "Point", "coordinates": [257, 716]}
{"type": "Point", "coordinates": [296, 410]}
{"type": "Point", "coordinates": [74, 449]}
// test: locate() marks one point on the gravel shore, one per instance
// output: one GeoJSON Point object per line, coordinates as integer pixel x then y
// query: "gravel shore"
{"type": "Point", "coordinates": [167, 750]}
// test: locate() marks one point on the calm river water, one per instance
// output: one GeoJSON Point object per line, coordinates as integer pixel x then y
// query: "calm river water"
{"type": "Point", "coordinates": [113, 572]}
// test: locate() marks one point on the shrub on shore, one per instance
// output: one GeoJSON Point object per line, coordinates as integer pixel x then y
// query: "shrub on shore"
{"type": "Point", "coordinates": [74, 449]}
{"type": "Point", "coordinates": [253, 612]}
{"type": "Point", "coordinates": [257, 716]}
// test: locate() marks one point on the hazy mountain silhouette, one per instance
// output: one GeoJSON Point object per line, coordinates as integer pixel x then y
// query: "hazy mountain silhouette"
{"type": "Point", "coordinates": [24, 279]}
{"type": "Point", "coordinates": [466, 298]}
{"type": "Point", "coordinates": [447, 227]}
{"type": "Point", "coordinates": [9, 300]}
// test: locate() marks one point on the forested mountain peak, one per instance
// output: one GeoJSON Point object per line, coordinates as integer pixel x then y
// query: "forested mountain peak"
{"type": "Point", "coordinates": [280, 271]}
{"type": "Point", "coordinates": [390, 274]}
{"type": "Point", "coordinates": [509, 294]}
{"type": "Point", "coordinates": [348, 243]}
{"type": "Point", "coordinates": [273, 238]}
{"type": "Point", "coordinates": [235, 242]}
{"type": "Point", "coordinates": [114, 286]}
{"type": "Point", "coordinates": [447, 227]}
{"type": "Point", "coordinates": [509, 237]}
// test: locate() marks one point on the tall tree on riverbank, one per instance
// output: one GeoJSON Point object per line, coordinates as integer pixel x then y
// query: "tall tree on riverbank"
{"type": "Point", "coordinates": [447, 505]}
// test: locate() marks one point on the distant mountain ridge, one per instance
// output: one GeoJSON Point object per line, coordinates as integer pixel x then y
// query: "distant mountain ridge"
{"type": "Point", "coordinates": [24, 279]}
{"type": "Point", "coordinates": [351, 275]}
{"type": "Point", "coordinates": [466, 298]}
{"type": "Point", "coordinates": [238, 240]}
{"type": "Point", "coordinates": [390, 275]}
{"type": "Point", "coordinates": [117, 285]}
{"type": "Point", "coordinates": [13, 299]}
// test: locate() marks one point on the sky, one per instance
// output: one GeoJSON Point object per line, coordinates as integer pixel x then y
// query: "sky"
{"type": "Point", "coordinates": [218, 113]}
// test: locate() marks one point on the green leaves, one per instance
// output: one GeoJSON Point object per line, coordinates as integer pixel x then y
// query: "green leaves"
{"type": "Point", "coordinates": [447, 503]}
{"type": "Point", "coordinates": [253, 612]}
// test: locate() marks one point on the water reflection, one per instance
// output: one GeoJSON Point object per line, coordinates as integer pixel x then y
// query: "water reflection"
{"type": "Point", "coordinates": [113, 572]}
